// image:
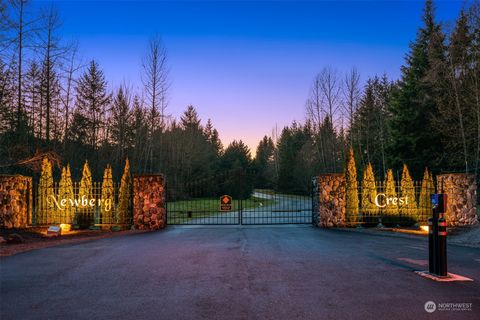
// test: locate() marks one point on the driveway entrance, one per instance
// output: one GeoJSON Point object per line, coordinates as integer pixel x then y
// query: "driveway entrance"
{"type": "Point", "coordinates": [218, 201]}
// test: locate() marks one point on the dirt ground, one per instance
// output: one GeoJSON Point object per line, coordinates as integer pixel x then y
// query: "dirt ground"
{"type": "Point", "coordinates": [22, 240]}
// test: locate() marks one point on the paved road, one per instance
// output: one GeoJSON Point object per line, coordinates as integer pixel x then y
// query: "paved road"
{"type": "Point", "coordinates": [271, 272]}
{"type": "Point", "coordinates": [285, 209]}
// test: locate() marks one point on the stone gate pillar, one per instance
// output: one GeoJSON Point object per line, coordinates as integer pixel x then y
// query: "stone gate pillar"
{"type": "Point", "coordinates": [461, 190]}
{"type": "Point", "coordinates": [149, 203]}
{"type": "Point", "coordinates": [15, 201]}
{"type": "Point", "coordinates": [329, 203]}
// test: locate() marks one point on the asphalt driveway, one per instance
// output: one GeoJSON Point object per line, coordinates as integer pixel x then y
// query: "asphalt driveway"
{"type": "Point", "coordinates": [268, 272]}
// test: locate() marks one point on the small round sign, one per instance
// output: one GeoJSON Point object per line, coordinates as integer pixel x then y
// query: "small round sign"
{"type": "Point", "coordinates": [430, 306]}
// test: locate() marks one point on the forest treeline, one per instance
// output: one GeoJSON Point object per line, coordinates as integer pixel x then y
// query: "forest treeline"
{"type": "Point", "coordinates": [53, 101]}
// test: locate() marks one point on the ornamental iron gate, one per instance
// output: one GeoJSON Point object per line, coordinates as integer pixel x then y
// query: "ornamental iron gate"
{"type": "Point", "coordinates": [231, 200]}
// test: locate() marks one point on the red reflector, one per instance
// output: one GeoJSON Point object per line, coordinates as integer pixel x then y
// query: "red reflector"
{"type": "Point", "coordinates": [442, 233]}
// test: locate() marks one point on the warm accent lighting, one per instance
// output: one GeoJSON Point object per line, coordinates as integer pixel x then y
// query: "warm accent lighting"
{"type": "Point", "coordinates": [65, 227]}
{"type": "Point", "coordinates": [424, 228]}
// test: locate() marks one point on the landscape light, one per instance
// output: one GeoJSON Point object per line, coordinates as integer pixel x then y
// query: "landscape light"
{"type": "Point", "coordinates": [65, 227]}
{"type": "Point", "coordinates": [424, 228]}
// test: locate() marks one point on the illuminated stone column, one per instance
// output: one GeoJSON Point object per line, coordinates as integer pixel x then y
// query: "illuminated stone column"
{"type": "Point", "coordinates": [329, 203]}
{"type": "Point", "coordinates": [15, 201]}
{"type": "Point", "coordinates": [461, 190]}
{"type": "Point", "coordinates": [149, 206]}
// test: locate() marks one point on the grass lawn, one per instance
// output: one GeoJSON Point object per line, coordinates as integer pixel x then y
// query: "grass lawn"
{"type": "Point", "coordinates": [205, 207]}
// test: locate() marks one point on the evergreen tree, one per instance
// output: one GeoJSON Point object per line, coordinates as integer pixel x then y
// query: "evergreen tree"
{"type": "Point", "coordinates": [352, 210]}
{"type": "Point", "coordinates": [413, 134]}
{"type": "Point", "coordinates": [212, 136]}
{"type": "Point", "coordinates": [327, 137]}
{"type": "Point", "coordinates": [454, 98]}
{"type": "Point", "coordinates": [369, 192]}
{"type": "Point", "coordinates": [108, 201]}
{"type": "Point", "coordinates": [236, 162]}
{"type": "Point", "coordinates": [190, 119]}
{"type": "Point", "coordinates": [140, 134]}
{"type": "Point", "coordinates": [286, 160]}
{"type": "Point", "coordinates": [390, 193]}
{"type": "Point", "coordinates": [195, 156]}
{"type": "Point", "coordinates": [33, 98]}
{"type": "Point", "coordinates": [50, 119]}
{"type": "Point", "coordinates": [407, 187]}
{"type": "Point", "coordinates": [263, 163]}
{"type": "Point", "coordinates": [92, 101]}
{"type": "Point", "coordinates": [369, 128]}
{"type": "Point", "coordinates": [125, 196]}
{"type": "Point", "coordinates": [65, 191]}
{"type": "Point", "coordinates": [428, 188]}
{"type": "Point", "coordinates": [122, 125]}
{"type": "Point", "coordinates": [49, 42]}
{"type": "Point", "coordinates": [78, 131]}
{"type": "Point", "coordinates": [46, 205]}
{"type": "Point", "coordinates": [84, 216]}
{"type": "Point", "coordinates": [7, 93]}
{"type": "Point", "coordinates": [305, 159]}
{"type": "Point", "coordinates": [296, 158]}
{"type": "Point", "coordinates": [473, 130]}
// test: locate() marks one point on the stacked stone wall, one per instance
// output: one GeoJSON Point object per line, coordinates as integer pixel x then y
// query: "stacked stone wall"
{"type": "Point", "coordinates": [330, 200]}
{"type": "Point", "coordinates": [149, 206]}
{"type": "Point", "coordinates": [15, 201]}
{"type": "Point", "coordinates": [461, 190]}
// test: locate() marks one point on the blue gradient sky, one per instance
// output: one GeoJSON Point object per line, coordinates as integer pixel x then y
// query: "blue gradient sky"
{"type": "Point", "coordinates": [246, 65]}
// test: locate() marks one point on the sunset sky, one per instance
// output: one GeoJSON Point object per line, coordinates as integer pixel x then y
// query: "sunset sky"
{"type": "Point", "coordinates": [246, 65]}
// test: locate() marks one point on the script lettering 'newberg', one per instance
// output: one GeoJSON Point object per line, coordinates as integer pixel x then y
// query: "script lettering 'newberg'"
{"type": "Point", "coordinates": [382, 201]}
{"type": "Point", "coordinates": [82, 202]}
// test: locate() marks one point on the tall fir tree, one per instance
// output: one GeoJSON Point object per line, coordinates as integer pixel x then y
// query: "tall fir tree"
{"type": "Point", "coordinates": [84, 216]}
{"type": "Point", "coordinates": [45, 206]}
{"type": "Point", "coordinates": [7, 93]}
{"type": "Point", "coordinates": [33, 97]}
{"type": "Point", "coordinates": [369, 192]}
{"type": "Point", "coordinates": [454, 98]}
{"type": "Point", "coordinates": [125, 196]}
{"type": "Point", "coordinates": [121, 125]}
{"type": "Point", "coordinates": [65, 191]}
{"type": "Point", "coordinates": [352, 210]}
{"type": "Point", "coordinates": [237, 162]}
{"type": "Point", "coordinates": [409, 208]}
{"type": "Point", "coordinates": [263, 163]}
{"type": "Point", "coordinates": [212, 136]}
{"type": "Point", "coordinates": [413, 136]}
{"type": "Point", "coordinates": [391, 193]}
{"type": "Point", "coordinates": [108, 201]}
{"type": "Point", "coordinates": [427, 188]}
{"type": "Point", "coordinates": [92, 101]}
